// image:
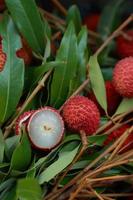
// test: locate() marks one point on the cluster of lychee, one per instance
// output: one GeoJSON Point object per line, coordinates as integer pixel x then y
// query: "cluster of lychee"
{"type": "Point", "coordinates": [45, 126]}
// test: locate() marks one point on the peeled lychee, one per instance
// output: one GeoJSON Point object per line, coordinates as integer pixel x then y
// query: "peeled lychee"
{"type": "Point", "coordinates": [127, 145]}
{"type": "Point", "coordinates": [45, 128]}
{"type": "Point", "coordinates": [25, 52]}
{"type": "Point", "coordinates": [113, 99]}
{"type": "Point", "coordinates": [80, 113]}
{"type": "Point", "coordinates": [91, 21]}
{"type": "Point", "coordinates": [125, 45]}
{"type": "Point", "coordinates": [2, 58]}
{"type": "Point", "coordinates": [22, 119]}
{"type": "Point", "coordinates": [123, 77]}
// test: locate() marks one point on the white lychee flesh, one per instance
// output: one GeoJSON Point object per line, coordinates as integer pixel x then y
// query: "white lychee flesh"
{"type": "Point", "coordinates": [45, 128]}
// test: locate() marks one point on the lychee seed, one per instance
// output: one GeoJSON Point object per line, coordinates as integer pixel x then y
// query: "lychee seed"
{"type": "Point", "coordinates": [22, 119]}
{"type": "Point", "coordinates": [2, 58]}
{"type": "Point", "coordinates": [45, 128]}
{"type": "Point", "coordinates": [80, 113]}
{"type": "Point", "coordinates": [123, 77]}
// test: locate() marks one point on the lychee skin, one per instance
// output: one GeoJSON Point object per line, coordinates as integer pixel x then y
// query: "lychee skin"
{"type": "Point", "coordinates": [22, 119]}
{"type": "Point", "coordinates": [125, 46]}
{"type": "Point", "coordinates": [2, 58]}
{"type": "Point", "coordinates": [127, 145]}
{"type": "Point", "coordinates": [80, 113]}
{"type": "Point", "coordinates": [123, 77]}
{"type": "Point", "coordinates": [91, 21]}
{"type": "Point", "coordinates": [2, 5]}
{"type": "Point", "coordinates": [113, 99]}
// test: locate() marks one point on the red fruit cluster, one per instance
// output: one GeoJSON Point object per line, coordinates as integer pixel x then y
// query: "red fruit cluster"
{"type": "Point", "coordinates": [127, 145]}
{"type": "Point", "coordinates": [125, 44]}
{"type": "Point", "coordinates": [2, 58]}
{"type": "Point", "coordinates": [113, 99]}
{"type": "Point", "coordinates": [80, 113]}
{"type": "Point", "coordinates": [91, 21]}
{"type": "Point", "coordinates": [123, 77]}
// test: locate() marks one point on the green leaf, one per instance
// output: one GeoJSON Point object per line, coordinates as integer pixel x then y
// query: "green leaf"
{"type": "Point", "coordinates": [82, 53]}
{"type": "Point", "coordinates": [63, 161]}
{"type": "Point", "coordinates": [109, 18]}
{"type": "Point", "coordinates": [63, 75]}
{"type": "Point", "coordinates": [34, 74]}
{"type": "Point", "coordinates": [2, 147]}
{"type": "Point", "coordinates": [73, 15]}
{"type": "Point", "coordinates": [97, 82]}
{"type": "Point", "coordinates": [12, 77]}
{"type": "Point", "coordinates": [97, 139]}
{"type": "Point", "coordinates": [28, 189]}
{"type": "Point", "coordinates": [29, 22]}
{"type": "Point", "coordinates": [10, 145]}
{"type": "Point", "coordinates": [10, 194]}
{"type": "Point", "coordinates": [125, 106]}
{"type": "Point", "coordinates": [22, 155]}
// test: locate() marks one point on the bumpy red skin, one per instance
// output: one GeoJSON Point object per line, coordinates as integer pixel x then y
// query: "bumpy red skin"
{"type": "Point", "coordinates": [127, 145]}
{"type": "Point", "coordinates": [80, 113]}
{"type": "Point", "coordinates": [113, 99]}
{"type": "Point", "coordinates": [62, 133]}
{"type": "Point", "coordinates": [2, 58]}
{"type": "Point", "coordinates": [25, 52]}
{"type": "Point", "coordinates": [22, 119]}
{"type": "Point", "coordinates": [2, 5]}
{"type": "Point", "coordinates": [123, 77]}
{"type": "Point", "coordinates": [91, 21]}
{"type": "Point", "coordinates": [125, 46]}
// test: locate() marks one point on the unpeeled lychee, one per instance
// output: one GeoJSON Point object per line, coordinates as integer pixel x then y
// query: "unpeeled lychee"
{"type": "Point", "coordinates": [125, 44]}
{"type": "Point", "coordinates": [45, 128]}
{"type": "Point", "coordinates": [80, 113]}
{"type": "Point", "coordinates": [2, 5]}
{"type": "Point", "coordinates": [127, 145]}
{"type": "Point", "coordinates": [2, 58]}
{"type": "Point", "coordinates": [123, 77]}
{"type": "Point", "coordinates": [91, 21]}
{"type": "Point", "coordinates": [113, 99]}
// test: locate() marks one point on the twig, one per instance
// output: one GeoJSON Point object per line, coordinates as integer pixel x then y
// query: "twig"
{"type": "Point", "coordinates": [33, 94]}
{"type": "Point", "coordinates": [114, 34]}
{"type": "Point", "coordinates": [49, 15]}
{"type": "Point", "coordinates": [90, 194]}
{"type": "Point", "coordinates": [95, 192]}
{"type": "Point", "coordinates": [56, 35]}
{"type": "Point", "coordinates": [60, 7]}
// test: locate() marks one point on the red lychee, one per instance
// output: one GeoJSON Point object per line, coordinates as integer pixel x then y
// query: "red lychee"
{"type": "Point", "coordinates": [127, 145]}
{"type": "Point", "coordinates": [80, 113]}
{"type": "Point", "coordinates": [2, 5]}
{"type": "Point", "coordinates": [25, 52]}
{"type": "Point", "coordinates": [2, 58]}
{"type": "Point", "coordinates": [113, 99]}
{"type": "Point", "coordinates": [91, 21]}
{"type": "Point", "coordinates": [125, 45]}
{"type": "Point", "coordinates": [123, 77]}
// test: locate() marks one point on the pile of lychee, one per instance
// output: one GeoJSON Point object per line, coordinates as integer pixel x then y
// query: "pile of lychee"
{"type": "Point", "coordinates": [46, 126]}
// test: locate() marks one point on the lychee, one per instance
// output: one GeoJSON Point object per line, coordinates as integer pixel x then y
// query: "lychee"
{"type": "Point", "coordinates": [2, 5]}
{"type": "Point", "coordinates": [2, 58]}
{"type": "Point", "coordinates": [25, 52]}
{"type": "Point", "coordinates": [22, 120]}
{"type": "Point", "coordinates": [45, 128]}
{"type": "Point", "coordinates": [125, 45]}
{"type": "Point", "coordinates": [91, 21]}
{"type": "Point", "coordinates": [123, 77]}
{"type": "Point", "coordinates": [127, 145]}
{"type": "Point", "coordinates": [80, 113]}
{"type": "Point", "coordinates": [113, 99]}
